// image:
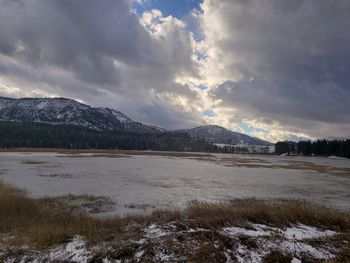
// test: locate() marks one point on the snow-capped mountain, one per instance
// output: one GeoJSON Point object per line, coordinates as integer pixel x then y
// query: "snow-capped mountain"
{"type": "Point", "coordinates": [70, 112]}
{"type": "Point", "coordinates": [218, 134]}
{"type": "Point", "coordinates": [67, 111]}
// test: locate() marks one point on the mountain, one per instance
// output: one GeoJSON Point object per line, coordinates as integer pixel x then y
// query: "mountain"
{"type": "Point", "coordinates": [218, 134]}
{"type": "Point", "coordinates": [57, 111]}
{"type": "Point", "coordinates": [62, 111]}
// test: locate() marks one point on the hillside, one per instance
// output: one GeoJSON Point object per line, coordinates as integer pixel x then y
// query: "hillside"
{"type": "Point", "coordinates": [218, 134]}
{"type": "Point", "coordinates": [56, 111]}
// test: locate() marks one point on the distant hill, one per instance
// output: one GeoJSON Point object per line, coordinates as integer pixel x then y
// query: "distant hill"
{"type": "Point", "coordinates": [62, 111]}
{"type": "Point", "coordinates": [218, 134]}
{"type": "Point", "coordinates": [58, 111]}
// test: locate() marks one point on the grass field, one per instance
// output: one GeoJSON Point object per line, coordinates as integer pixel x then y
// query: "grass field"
{"type": "Point", "coordinates": [38, 228]}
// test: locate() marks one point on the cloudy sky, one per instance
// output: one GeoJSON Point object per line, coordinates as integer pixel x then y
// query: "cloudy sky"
{"type": "Point", "coordinates": [276, 69]}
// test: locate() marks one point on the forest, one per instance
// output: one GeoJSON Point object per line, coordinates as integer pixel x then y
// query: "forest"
{"type": "Point", "coordinates": [323, 147]}
{"type": "Point", "coordinates": [40, 135]}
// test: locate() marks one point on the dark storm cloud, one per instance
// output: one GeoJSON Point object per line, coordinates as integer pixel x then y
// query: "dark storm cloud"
{"type": "Point", "coordinates": [292, 58]}
{"type": "Point", "coordinates": [168, 117]}
{"type": "Point", "coordinates": [273, 61]}
{"type": "Point", "coordinates": [82, 36]}
{"type": "Point", "coordinates": [68, 35]}
{"type": "Point", "coordinates": [92, 50]}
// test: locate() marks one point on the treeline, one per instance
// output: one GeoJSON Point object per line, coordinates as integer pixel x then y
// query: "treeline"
{"type": "Point", "coordinates": [226, 149]}
{"type": "Point", "coordinates": [339, 148]}
{"type": "Point", "coordinates": [39, 135]}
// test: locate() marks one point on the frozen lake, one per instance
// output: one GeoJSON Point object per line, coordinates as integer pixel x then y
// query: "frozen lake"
{"type": "Point", "coordinates": [142, 182]}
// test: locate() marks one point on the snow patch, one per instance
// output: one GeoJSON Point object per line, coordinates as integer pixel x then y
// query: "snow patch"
{"type": "Point", "coordinates": [291, 241]}
{"type": "Point", "coordinates": [105, 260]}
{"type": "Point", "coordinates": [244, 254]}
{"type": "Point", "coordinates": [299, 248]}
{"type": "Point", "coordinates": [256, 231]}
{"type": "Point", "coordinates": [306, 232]}
{"type": "Point", "coordinates": [161, 256]}
{"type": "Point", "coordinates": [139, 254]}
{"type": "Point", "coordinates": [74, 251]}
{"type": "Point", "coordinates": [195, 230]}
{"type": "Point", "coordinates": [121, 117]}
{"type": "Point", "coordinates": [153, 231]}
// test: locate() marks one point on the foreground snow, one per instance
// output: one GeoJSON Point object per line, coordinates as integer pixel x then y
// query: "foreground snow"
{"type": "Point", "coordinates": [249, 244]}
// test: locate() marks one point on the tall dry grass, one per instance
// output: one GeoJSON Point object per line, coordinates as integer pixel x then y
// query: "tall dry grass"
{"type": "Point", "coordinates": [49, 221]}
{"type": "Point", "coordinates": [45, 222]}
{"type": "Point", "coordinates": [270, 213]}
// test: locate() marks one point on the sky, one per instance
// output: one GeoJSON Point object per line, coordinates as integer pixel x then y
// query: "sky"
{"type": "Point", "coordinates": [274, 69]}
{"type": "Point", "coordinates": [175, 8]}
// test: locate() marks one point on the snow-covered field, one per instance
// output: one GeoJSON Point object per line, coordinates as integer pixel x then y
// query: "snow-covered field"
{"type": "Point", "coordinates": [140, 183]}
{"type": "Point", "coordinates": [125, 182]}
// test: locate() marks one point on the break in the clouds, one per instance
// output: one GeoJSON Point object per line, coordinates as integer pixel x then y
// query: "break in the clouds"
{"type": "Point", "coordinates": [282, 63]}
{"type": "Point", "coordinates": [98, 52]}
{"type": "Point", "coordinates": [276, 69]}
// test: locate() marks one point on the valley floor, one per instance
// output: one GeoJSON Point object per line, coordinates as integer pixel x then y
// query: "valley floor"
{"type": "Point", "coordinates": [133, 206]}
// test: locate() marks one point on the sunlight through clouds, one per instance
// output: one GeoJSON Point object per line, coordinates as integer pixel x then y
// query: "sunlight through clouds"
{"type": "Point", "coordinates": [273, 69]}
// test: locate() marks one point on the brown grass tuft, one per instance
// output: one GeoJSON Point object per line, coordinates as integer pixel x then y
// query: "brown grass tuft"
{"type": "Point", "coordinates": [277, 257]}
{"type": "Point", "coordinates": [32, 162]}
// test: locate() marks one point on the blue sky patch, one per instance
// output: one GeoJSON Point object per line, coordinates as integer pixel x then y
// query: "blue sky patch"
{"type": "Point", "coordinates": [209, 113]}
{"type": "Point", "coordinates": [201, 55]}
{"type": "Point", "coordinates": [249, 129]}
{"type": "Point", "coordinates": [202, 86]}
{"type": "Point", "coordinates": [176, 8]}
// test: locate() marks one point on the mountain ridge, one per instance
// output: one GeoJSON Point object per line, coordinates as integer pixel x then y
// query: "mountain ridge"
{"type": "Point", "coordinates": [68, 111]}
{"type": "Point", "coordinates": [60, 110]}
{"type": "Point", "coordinates": [219, 134]}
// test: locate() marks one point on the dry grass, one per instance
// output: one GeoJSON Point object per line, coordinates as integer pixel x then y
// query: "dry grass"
{"type": "Point", "coordinates": [80, 203]}
{"type": "Point", "coordinates": [234, 161]}
{"type": "Point", "coordinates": [32, 162]}
{"type": "Point", "coordinates": [108, 152]}
{"type": "Point", "coordinates": [270, 213]}
{"type": "Point", "coordinates": [118, 155]}
{"type": "Point", "coordinates": [46, 222]}
{"type": "Point", "coordinates": [320, 168]}
{"type": "Point", "coordinates": [277, 257]}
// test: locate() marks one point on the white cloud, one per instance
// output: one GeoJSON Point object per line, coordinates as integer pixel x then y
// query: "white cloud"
{"type": "Point", "coordinates": [98, 52]}
{"type": "Point", "coordinates": [278, 66]}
